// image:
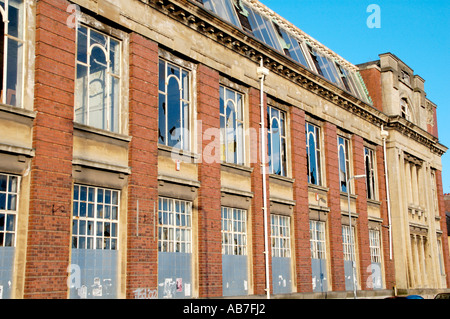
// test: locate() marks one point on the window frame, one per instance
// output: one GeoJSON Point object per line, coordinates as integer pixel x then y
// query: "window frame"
{"type": "Point", "coordinates": [280, 235]}
{"type": "Point", "coordinates": [375, 245]}
{"type": "Point", "coordinates": [111, 121]}
{"type": "Point", "coordinates": [317, 150]}
{"type": "Point", "coordinates": [172, 244]}
{"type": "Point", "coordinates": [371, 173]}
{"type": "Point", "coordinates": [347, 163]}
{"type": "Point", "coordinates": [317, 239]}
{"type": "Point", "coordinates": [283, 140]}
{"type": "Point", "coordinates": [405, 109]}
{"type": "Point", "coordinates": [94, 220]}
{"type": "Point", "coordinates": [236, 229]}
{"type": "Point", "coordinates": [5, 93]}
{"type": "Point", "coordinates": [8, 213]}
{"type": "Point", "coordinates": [349, 243]}
{"type": "Point", "coordinates": [239, 121]}
{"type": "Point", "coordinates": [185, 110]}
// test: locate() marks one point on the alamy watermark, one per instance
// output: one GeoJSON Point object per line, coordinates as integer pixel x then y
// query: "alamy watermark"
{"type": "Point", "coordinates": [374, 19]}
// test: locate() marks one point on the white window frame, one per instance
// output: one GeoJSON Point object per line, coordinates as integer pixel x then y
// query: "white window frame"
{"type": "Point", "coordinates": [8, 228]}
{"type": "Point", "coordinates": [84, 90]}
{"type": "Point", "coordinates": [318, 153]}
{"type": "Point", "coordinates": [280, 235]}
{"type": "Point", "coordinates": [235, 129]}
{"type": "Point", "coordinates": [185, 104]}
{"type": "Point", "coordinates": [348, 243]}
{"type": "Point", "coordinates": [281, 118]}
{"type": "Point", "coordinates": [6, 94]}
{"type": "Point", "coordinates": [405, 110]}
{"type": "Point", "coordinates": [343, 177]}
{"type": "Point", "coordinates": [371, 176]}
{"type": "Point", "coordinates": [103, 214]}
{"type": "Point", "coordinates": [174, 226]}
{"type": "Point", "coordinates": [375, 245]}
{"type": "Point", "coordinates": [234, 231]}
{"type": "Point", "coordinates": [317, 239]}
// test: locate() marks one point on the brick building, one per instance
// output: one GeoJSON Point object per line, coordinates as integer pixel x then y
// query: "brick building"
{"type": "Point", "coordinates": [131, 164]}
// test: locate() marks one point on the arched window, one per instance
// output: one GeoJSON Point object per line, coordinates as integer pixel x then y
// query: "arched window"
{"type": "Point", "coordinates": [276, 134]}
{"type": "Point", "coordinates": [11, 51]}
{"type": "Point", "coordinates": [404, 109]}
{"type": "Point", "coordinates": [313, 154]}
{"type": "Point", "coordinates": [97, 91]}
{"type": "Point", "coordinates": [344, 163]}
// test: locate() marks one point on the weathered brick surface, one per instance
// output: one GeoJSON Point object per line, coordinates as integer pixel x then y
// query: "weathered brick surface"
{"type": "Point", "coordinates": [372, 79]}
{"type": "Point", "coordinates": [443, 224]}
{"type": "Point", "coordinates": [49, 224]}
{"type": "Point", "coordinates": [301, 209]}
{"type": "Point", "coordinates": [209, 208]}
{"type": "Point", "coordinates": [334, 216]}
{"type": "Point", "coordinates": [142, 266]}
{"type": "Point", "coordinates": [257, 222]}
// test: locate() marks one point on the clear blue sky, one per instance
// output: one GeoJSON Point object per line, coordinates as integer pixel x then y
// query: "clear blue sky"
{"type": "Point", "coordinates": [416, 31]}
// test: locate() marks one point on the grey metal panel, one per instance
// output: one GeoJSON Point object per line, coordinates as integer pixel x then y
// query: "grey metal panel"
{"type": "Point", "coordinates": [6, 271]}
{"type": "Point", "coordinates": [234, 275]}
{"type": "Point", "coordinates": [376, 276]}
{"type": "Point", "coordinates": [98, 276]}
{"type": "Point", "coordinates": [319, 275]}
{"type": "Point", "coordinates": [174, 275]}
{"type": "Point", "coordinates": [281, 275]}
{"type": "Point", "coordinates": [348, 265]}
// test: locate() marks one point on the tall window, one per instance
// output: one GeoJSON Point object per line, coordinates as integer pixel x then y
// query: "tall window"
{"type": "Point", "coordinates": [95, 218]}
{"type": "Point", "coordinates": [175, 224]}
{"type": "Point", "coordinates": [97, 87]}
{"type": "Point", "coordinates": [348, 243]}
{"type": "Point", "coordinates": [404, 109]}
{"type": "Point", "coordinates": [11, 51]}
{"type": "Point", "coordinates": [234, 231]}
{"type": "Point", "coordinates": [231, 126]}
{"type": "Point", "coordinates": [369, 163]}
{"type": "Point", "coordinates": [374, 244]}
{"type": "Point", "coordinates": [174, 104]}
{"type": "Point", "coordinates": [344, 163]}
{"type": "Point", "coordinates": [313, 154]}
{"type": "Point", "coordinates": [317, 239]}
{"type": "Point", "coordinates": [276, 135]}
{"type": "Point", "coordinates": [9, 188]}
{"type": "Point", "coordinates": [281, 235]}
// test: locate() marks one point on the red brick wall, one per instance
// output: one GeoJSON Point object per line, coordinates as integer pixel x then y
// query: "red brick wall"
{"type": "Point", "coordinates": [301, 209]}
{"type": "Point", "coordinates": [257, 221]}
{"type": "Point", "coordinates": [209, 208]}
{"type": "Point", "coordinates": [48, 248]}
{"type": "Point", "coordinates": [389, 267]}
{"type": "Point", "coordinates": [443, 224]}
{"type": "Point", "coordinates": [334, 216]}
{"type": "Point", "coordinates": [142, 267]}
{"type": "Point", "coordinates": [372, 79]}
{"type": "Point", "coordinates": [361, 209]}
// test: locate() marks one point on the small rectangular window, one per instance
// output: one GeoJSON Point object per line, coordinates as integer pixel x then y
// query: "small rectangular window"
{"type": "Point", "coordinates": [174, 225]}
{"type": "Point", "coordinates": [348, 240]}
{"type": "Point", "coordinates": [97, 85]}
{"type": "Point", "coordinates": [280, 235]}
{"type": "Point", "coordinates": [317, 239]}
{"type": "Point", "coordinates": [234, 231]}
{"type": "Point", "coordinates": [276, 135]}
{"type": "Point", "coordinates": [9, 200]}
{"type": "Point", "coordinates": [374, 244]}
{"type": "Point", "coordinates": [174, 105]}
{"type": "Point", "coordinates": [95, 218]}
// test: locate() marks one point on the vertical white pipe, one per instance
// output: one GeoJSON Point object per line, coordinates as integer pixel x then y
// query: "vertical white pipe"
{"type": "Point", "coordinates": [261, 73]}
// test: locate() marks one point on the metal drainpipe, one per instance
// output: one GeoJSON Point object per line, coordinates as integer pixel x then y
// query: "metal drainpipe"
{"type": "Point", "coordinates": [262, 73]}
{"type": "Point", "coordinates": [384, 135]}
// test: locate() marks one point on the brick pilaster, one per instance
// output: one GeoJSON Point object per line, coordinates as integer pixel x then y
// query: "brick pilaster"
{"type": "Point", "coordinates": [142, 266]}
{"type": "Point", "coordinates": [209, 208]}
{"type": "Point", "coordinates": [301, 209]}
{"type": "Point", "coordinates": [334, 216]}
{"type": "Point", "coordinates": [257, 222]}
{"type": "Point", "coordinates": [389, 266]}
{"type": "Point", "coordinates": [361, 210]}
{"type": "Point", "coordinates": [49, 224]}
{"type": "Point", "coordinates": [443, 224]}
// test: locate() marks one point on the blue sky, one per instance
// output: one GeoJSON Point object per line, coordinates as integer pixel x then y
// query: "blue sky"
{"type": "Point", "coordinates": [416, 31]}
